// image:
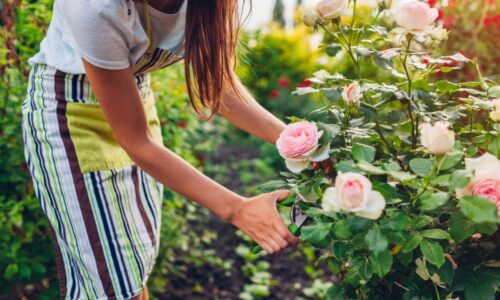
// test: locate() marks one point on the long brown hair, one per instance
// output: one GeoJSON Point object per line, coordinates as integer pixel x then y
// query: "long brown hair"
{"type": "Point", "coordinates": [211, 40]}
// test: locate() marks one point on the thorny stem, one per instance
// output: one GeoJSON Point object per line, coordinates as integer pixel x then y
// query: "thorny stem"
{"type": "Point", "coordinates": [414, 128]}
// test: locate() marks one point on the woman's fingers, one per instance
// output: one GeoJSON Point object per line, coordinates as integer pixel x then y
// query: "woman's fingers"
{"type": "Point", "coordinates": [280, 240]}
{"type": "Point", "coordinates": [280, 195]}
{"type": "Point", "coordinates": [283, 231]}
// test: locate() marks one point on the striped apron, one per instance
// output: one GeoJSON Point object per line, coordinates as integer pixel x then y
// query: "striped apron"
{"type": "Point", "coordinates": [104, 211]}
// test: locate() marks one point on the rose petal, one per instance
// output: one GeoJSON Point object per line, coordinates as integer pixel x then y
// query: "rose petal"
{"type": "Point", "coordinates": [296, 166]}
{"type": "Point", "coordinates": [330, 200]}
{"type": "Point", "coordinates": [374, 207]}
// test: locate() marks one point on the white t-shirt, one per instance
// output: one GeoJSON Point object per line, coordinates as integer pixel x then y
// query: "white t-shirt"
{"type": "Point", "coordinates": [110, 34]}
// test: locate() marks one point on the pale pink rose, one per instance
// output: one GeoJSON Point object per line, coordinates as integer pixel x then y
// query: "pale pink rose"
{"type": "Point", "coordinates": [311, 17]}
{"type": "Point", "coordinates": [353, 193]}
{"type": "Point", "coordinates": [351, 94]}
{"type": "Point", "coordinates": [297, 144]}
{"type": "Point", "coordinates": [414, 15]}
{"type": "Point", "coordinates": [437, 138]}
{"type": "Point", "coordinates": [486, 180]}
{"type": "Point", "coordinates": [331, 9]}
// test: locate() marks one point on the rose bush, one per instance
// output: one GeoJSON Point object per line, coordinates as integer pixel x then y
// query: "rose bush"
{"type": "Point", "coordinates": [404, 197]}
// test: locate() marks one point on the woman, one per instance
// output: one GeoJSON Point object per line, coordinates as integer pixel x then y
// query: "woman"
{"type": "Point", "coordinates": [93, 141]}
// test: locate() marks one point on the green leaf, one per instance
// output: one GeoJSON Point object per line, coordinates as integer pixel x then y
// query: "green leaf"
{"type": "Point", "coordinates": [369, 168]}
{"type": "Point", "coordinates": [330, 131]}
{"type": "Point", "coordinates": [422, 221]}
{"type": "Point", "coordinates": [398, 222]}
{"type": "Point", "coordinates": [487, 228]}
{"type": "Point", "coordinates": [335, 292]}
{"type": "Point", "coordinates": [369, 111]}
{"type": "Point", "coordinates": [433, 252]}
{"type": "Point", "coordinates": [421, 166]}
{"type": "Point", "coordinates": [365, 271]}
{"type": "Point", "coordinates": [332, 49]}
{"type": "Point", "coordinates": [445, 86]}
{"type": "Point", "coordinates": [442, 180]}
{"type": "Point", "coordinates": [315, 234]}
{"type": "Point", "coordinates": [10, 271]}
{"type": "Point", "coordinates": [451, 159]}
{"type": "Point", "coordinates": [345, 166]}
{"type": "Point", "coordinates": [341, 230]}
{"type": "Point", "coordinates": [460, 227]}
{"type": "Point", "coordinates": [381, 264]}
{"type": "Point", "coordinates": [459, 179]}
{"type": "Point", "coordinates": [433, 201]}
{"type": "Point", "coordinates": [376, 241]}
{"type": "Point", "coordinates": [411, 243]}
{"type": "Point", "coordinates": [436, 233]}
{"type": "Point", "coordinates": [387, 190]}
{"type": "Point", "coordinates": [272, 185]}
{"type": "Point", "coordinates": [494, 147]}
{"type": "Point", "coordinates": [362, 152]}
{"type": "Point", "coordinates": [339, 250]}
{"type": "Point", "coordinates": [478, 209]}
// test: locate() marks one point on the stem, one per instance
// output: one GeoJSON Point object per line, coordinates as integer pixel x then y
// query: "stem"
{"type": "Point", "coordinates": [437, 292]}
{"type": "Point", "coordinates": [414, 129]}
{"type": "Point", "coordinates": [410, 39]}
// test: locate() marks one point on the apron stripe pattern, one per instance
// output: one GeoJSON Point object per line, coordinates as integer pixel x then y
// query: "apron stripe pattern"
{"type": "Point", "coordinates": [106, 222]}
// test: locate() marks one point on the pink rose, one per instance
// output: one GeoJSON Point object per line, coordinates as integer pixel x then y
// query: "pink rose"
{"type": "Point", "coordinates": [298, 143]}
{"type": "Point", "coordinates": [331, 9]}
{"type": "Point", "coordinates": [414, 15]}
{"type": "Point", "coordinates": [486, 180]}
{"type": "Point", "coordinates": [437, 138]}
{"type": "Point", "coordinates": [353, 193]}
{"type": "Point", "coordinates": [351, 94]}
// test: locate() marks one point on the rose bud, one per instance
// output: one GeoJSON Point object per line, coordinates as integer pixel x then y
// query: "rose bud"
{"type": "Point", "coordinates": [437, 138]}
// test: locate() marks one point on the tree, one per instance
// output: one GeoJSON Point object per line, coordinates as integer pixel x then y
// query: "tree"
{"type": "Point", "coordinates": [278, 13]}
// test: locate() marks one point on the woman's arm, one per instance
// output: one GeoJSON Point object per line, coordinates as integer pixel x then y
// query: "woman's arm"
{"type": "Point", "coordinates": [250, 116]}
{"type": "Point", "coordinates": [122, 106]}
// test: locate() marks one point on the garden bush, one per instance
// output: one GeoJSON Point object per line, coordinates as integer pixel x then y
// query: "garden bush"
{"type": "Point", "coordinates": [399, 177]}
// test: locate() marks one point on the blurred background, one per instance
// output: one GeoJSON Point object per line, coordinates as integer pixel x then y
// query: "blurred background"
{"type": "Point", "coordinates": [202, 257]}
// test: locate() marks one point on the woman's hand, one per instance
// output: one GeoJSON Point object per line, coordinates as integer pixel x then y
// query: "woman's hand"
{"type": "Point", "coordinates": [259, 218]}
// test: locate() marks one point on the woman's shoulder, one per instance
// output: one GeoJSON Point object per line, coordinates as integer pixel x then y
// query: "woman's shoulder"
{"type": "Point", "coordinates": [107, 8]}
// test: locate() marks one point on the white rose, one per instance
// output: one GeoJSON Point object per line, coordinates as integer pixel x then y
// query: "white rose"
{"type": "Point", "coordinates": [437, 138]}
{"type": "Point", "coordinates": [352, 93]}
{"type": "Point", "coordinates": [439, 33]}
{"type": "Point", "coordinates": [495, 114]}
{"type": "Point", "coordinates": [331, 9]}
{"type": "Point", "coordinates": [310, 17]}
{"type": "Point", "coordinates": [414, 15]}
{"type": "Point", "coordinates": [353, 193]}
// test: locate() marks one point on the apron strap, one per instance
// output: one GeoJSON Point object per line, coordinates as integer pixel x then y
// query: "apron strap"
{"type": "Point", "coordinates": [149, 29]}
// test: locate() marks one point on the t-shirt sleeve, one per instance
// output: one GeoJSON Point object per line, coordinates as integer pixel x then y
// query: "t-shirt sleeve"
{"type": "Point", "coordinates": [99, 31]}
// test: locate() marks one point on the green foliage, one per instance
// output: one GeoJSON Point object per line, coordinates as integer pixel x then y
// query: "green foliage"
{"type": "Point", "coordinates": [436, 224]}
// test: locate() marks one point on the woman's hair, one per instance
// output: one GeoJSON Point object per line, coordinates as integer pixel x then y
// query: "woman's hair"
{"type": "Point", "coordinates": [211, 39]}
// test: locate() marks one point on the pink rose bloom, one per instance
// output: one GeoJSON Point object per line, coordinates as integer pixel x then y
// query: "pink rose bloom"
{"type": "Point", "coordinates": [414, 15]}
{"type": "Point", "coordinates": [298, 143]}
{"type": "Point", "coordinates": [331, 9]}
{"type": "Point", "coordinates": [353, 193]}
{"type": "Point", "coordinates": [486, 180]}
